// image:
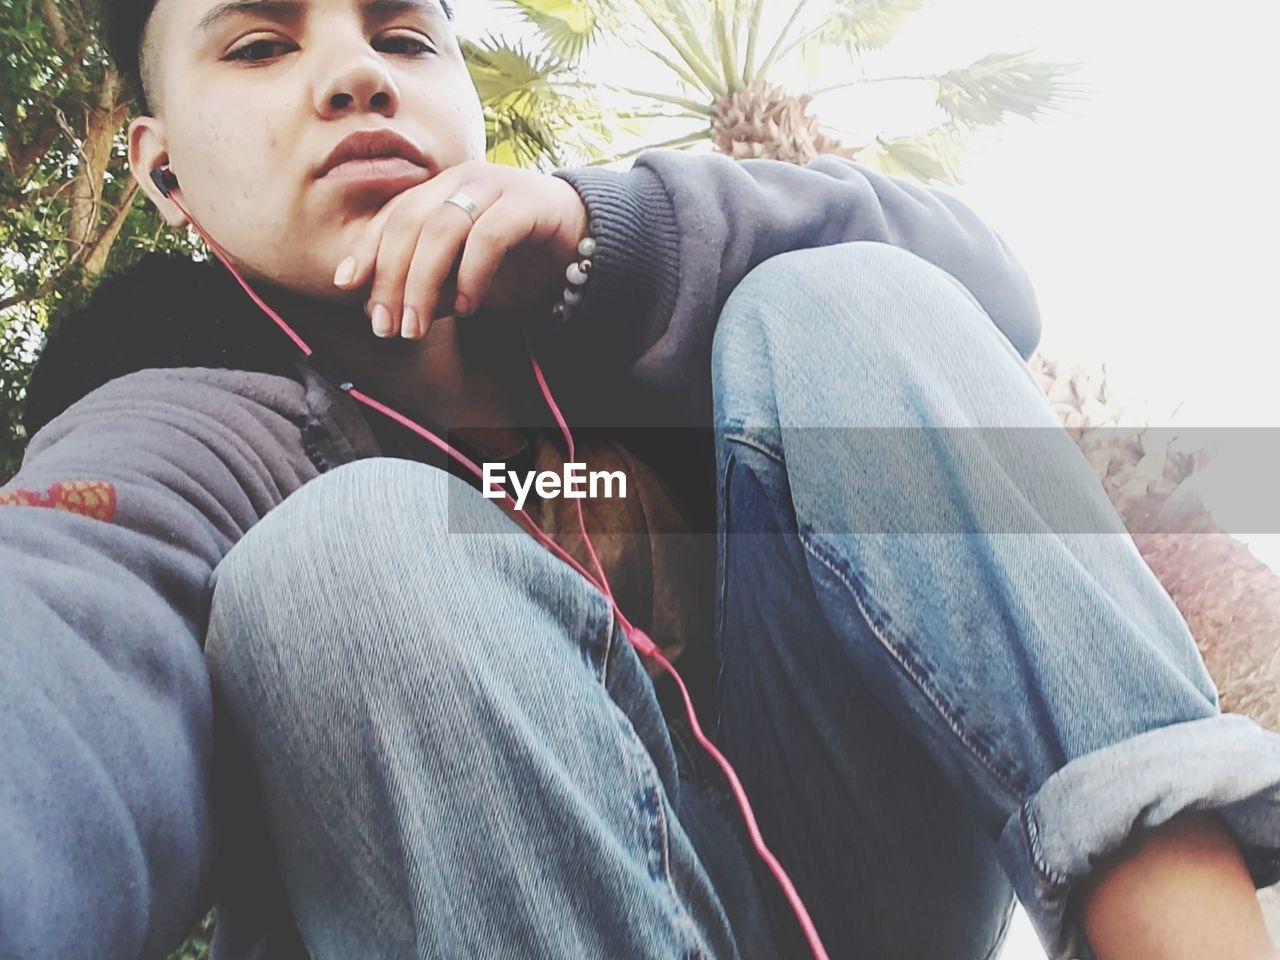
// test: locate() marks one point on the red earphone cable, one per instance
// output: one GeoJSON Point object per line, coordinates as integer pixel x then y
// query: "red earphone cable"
{"type": "Point", "coordinates": [635, 636]}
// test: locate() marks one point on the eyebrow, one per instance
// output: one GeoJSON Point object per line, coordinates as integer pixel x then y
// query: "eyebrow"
{"type": "Point", "coordinates": [291, 9]}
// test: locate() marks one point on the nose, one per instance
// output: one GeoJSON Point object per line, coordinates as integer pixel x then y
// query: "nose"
{"type": "Point", "coordinates": [362, 83]}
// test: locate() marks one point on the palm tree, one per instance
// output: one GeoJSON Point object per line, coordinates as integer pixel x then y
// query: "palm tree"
{"type": "Point", "coordinates": [534, 116]}
{"type": "Point", "coordinates": [720, 66]}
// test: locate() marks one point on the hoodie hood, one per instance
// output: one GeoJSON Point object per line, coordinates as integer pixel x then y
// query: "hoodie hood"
{"type": "Point", "coordinates": [166, 310]}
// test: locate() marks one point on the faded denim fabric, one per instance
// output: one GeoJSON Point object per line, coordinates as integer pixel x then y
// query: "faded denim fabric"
{"type": "Point", "coordinates": [460, 754]}
{"type": "Point", "coordinates": [1047, 673]}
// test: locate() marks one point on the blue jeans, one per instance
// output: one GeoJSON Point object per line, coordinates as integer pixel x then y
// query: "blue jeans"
{"type": "Point", "coordinates": [461, 755]}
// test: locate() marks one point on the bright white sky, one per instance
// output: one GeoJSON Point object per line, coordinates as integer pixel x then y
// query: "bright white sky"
{"type": "Point", "coordinates": [1147, 218]}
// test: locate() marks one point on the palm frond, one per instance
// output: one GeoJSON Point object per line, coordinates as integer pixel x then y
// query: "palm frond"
{"type": "Point", "coordinates": [590, 140]}
{"type": "Point", "coordinates": [678, 69]}
{"type": "Point", "coordinates": [567, 27]}
{"type": "Point", "coordinates": [931, 156]}
{"type": "Point", "coordinates": [689, 17]}
{"type": "Point", "coordinates": [686, 106]}
{"type": "Point", "coordinates": [753, 36]}
{"type": "Point", "coordinates": [862, 25]}
{"type": "Point", "coordinates": [776, 51]}
{"type": "Point", "coordinates": [525, 101]}
{"type": "Point", "coordinates": [499, 69]}
{"type": "Point", "coordinates": [518, 140]}
{"type": "Point", "coordinates": [678, 36]}
{"type": "Point", "coordinates": [988, 91]}
{"type": "Point", "coordinates": [724, 14]}
{"type": "Point", "coordinates": [675, 143]}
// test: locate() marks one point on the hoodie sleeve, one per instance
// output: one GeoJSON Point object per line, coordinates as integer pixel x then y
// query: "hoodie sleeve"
{"type": "Point", "coordinates": [678, 231]}
{"type": "Point", "coordinates": [109, 533]}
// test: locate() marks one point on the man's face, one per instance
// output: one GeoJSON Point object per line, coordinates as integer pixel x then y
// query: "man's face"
{"type": "Point", "coordinates": [254, 100]}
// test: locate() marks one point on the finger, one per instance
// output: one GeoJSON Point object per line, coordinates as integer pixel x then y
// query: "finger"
{"type": "Point", "coordinates": [363, 253]}
{"type": "Point", "coordinates": [421, 228]}
{"type": "Point", "coordinates": [438, 252]}
{"type": "Point", "coordinates": [394, 250]}
{"type": "Point", "coordinates": [504, 225]}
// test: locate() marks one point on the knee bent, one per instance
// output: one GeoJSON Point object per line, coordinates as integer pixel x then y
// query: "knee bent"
{"type": "Point", "coordinates": [832, 335]}
{"type": "Point", "coordinates": [361, 509]}
{"type": "Point", "coordinates": [846, 301]}
{"type": "Point", "coordinates": [328, 579]}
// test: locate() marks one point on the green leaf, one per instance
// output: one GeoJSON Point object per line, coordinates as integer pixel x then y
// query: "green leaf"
{"type": "Point", "coordinates": [520, 140]}
{"type": "Point", "coordinates": [932, 156]}
{"type": "Point", "coordinates": [862, 25]}
{"type": "Point", "coordinates": [501, 71]}
{"type": "Point", "coordinates": [536, 112]}
{"type": "Point", "coordinates": [567, 27]}
{"type": "Point", "coordinates": [988, 91]}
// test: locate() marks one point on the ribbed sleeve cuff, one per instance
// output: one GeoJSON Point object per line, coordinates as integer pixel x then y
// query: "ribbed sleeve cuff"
{"type": "Point", "coordinates": [635, 272]}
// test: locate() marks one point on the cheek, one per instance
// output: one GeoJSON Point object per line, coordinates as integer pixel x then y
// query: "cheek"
{"type": "Point", "coordinates": [461, 137]}
{"type": "Point", "coordinates": [474, 114]}
{"type": "Point", "coordinates": [239, 172]}
{"type": "Point", "coordinates": [243, 172]}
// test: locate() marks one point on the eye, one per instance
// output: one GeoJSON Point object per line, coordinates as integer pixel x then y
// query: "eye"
{"type": "Point", "coordinates": [422, 48]}
{"type": "Point", "coordinates": [242, 53]}
{"type": "Point", "coordinates": [415, 48]}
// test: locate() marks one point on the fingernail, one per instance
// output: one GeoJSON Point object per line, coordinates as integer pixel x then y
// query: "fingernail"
{"type": "Point", "coordinates": [346, 271]}
{"type": "Point", "coordinates": [462, 306]}
{"type": "Point", "coordinates": [409, 323]}
{"type": "Point", "coordinates": [381, 320]}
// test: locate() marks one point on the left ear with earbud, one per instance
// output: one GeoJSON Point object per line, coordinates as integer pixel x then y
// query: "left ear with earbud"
{"type": "Point", "coordinates": [165, 179]}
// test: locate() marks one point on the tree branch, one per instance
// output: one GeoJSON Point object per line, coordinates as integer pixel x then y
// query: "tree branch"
{"type": "Point", "coordinates": [49, 10]}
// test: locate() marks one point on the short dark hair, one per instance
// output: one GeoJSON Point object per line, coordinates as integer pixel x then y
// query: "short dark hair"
{"type": "Point", "coordinates": [124, 22]}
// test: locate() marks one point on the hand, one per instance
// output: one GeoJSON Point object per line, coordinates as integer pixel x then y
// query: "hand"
{"type": "Point", "coordinates": [526, 232]}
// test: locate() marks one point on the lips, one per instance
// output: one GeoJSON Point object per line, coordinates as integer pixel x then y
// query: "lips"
{"type": "Point", "coordinates": [368, 145]}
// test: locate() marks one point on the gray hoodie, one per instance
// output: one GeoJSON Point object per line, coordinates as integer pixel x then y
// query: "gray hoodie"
{"type": "Point", "coordinates": [165, 422]}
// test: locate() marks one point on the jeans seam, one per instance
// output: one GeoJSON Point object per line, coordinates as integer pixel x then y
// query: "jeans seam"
{"type": "Point", "coordinates": [634, 747]}
{"type": "Point", "coordinates": [747, 441]}
{"type": "Point", "coordinates": [722, 585]}
{"type": "Point", "coordinates": [1050, 881]}
{"type": "Point", "coordinates": [607, 647]}
{"type": "Point", "coordinates": [921, 683]}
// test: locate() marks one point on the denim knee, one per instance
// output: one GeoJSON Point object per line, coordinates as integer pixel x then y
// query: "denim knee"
{"type": "Point", "coordinates": [314, 597]}
{"type": "Point", "coordinates": [407, 690]}
{"type": "Point", "coordinates": [858, 275]}
{"type": "Point", "coordinates": [869, 314]}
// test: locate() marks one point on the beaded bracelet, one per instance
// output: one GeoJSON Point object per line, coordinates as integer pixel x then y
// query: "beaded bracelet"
{"type": "Point", "coordinates": [576, 274]}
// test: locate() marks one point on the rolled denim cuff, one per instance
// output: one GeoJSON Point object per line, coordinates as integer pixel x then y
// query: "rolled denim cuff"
{"type": "Point", "coordinates": [1226, 764]}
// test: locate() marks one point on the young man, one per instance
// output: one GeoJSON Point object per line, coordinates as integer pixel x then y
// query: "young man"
{"type": "Point", "coordinates": [434, 738]}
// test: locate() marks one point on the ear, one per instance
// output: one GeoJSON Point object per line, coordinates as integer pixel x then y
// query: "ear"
{"type": "Point", "coordinates": [146, 152]}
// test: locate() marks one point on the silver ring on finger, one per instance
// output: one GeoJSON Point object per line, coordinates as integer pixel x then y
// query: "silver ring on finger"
{"type": "Point", "coordinates": [464, 203]}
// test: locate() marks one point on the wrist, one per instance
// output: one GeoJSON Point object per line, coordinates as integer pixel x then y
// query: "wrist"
{"type": "Point", "coordinates": [576, 276]}
{"type": "Point", "coordinates": [636, 264]}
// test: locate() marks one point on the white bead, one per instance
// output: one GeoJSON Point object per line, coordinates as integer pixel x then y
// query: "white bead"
{"type": "Point", "coordinates": [558, 312]}
{"type": "Point", "coordinates": [575, 275]}
{"type": "Point", "coordinates": [572, 297]}
{"type": "Point", "coordinates": [587, 246]}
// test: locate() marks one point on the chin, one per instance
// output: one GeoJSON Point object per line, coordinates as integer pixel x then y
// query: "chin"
{"type": "Point", "coordinates": [310, 286]}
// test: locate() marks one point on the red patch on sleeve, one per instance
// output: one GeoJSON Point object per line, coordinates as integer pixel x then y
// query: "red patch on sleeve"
{"type": "Point", "coordinates": [93, 498]}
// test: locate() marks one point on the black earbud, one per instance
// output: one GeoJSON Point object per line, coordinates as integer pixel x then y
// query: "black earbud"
{"type": "Point", "coordinates": [164, 179]}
